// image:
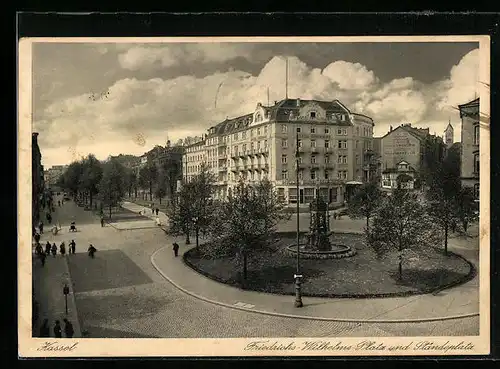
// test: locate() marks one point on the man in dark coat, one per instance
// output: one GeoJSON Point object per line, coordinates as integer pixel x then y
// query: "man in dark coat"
{"type": "Point", "coordinates": [62, 249]}
{"type": "Point", "coordinates": [40, 226]}
{"type": "Point", "coordinates": [44, 329]}
{"type": "Point", "coordinates": [54, 249]}
{"type": "Point", "coordinates": [47, 248]}
{"type": "Point", "coordinates": [42, 258]}
{"type": "Point", "coordinates": [57, 330]}
{"type": "Point", "coordinates": [157, 211]}
{"type": "Point", "coordinates": [37, 237]}
{"type": "Point", "coordinates": [68, 328]}
{"type": "Point", "coordinates": [72, 247]}
{"type": "Point", "coordinates": [176, 249]}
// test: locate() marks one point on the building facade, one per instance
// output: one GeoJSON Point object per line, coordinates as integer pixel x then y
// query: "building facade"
{"type": "Point", "coordinates": [469, 156]}
{"type": "Point", "coordinates": [401, 176]}
{"type": "Point", "coordinates": [416, 146]}
{"type": "Point", "coordinates": [37, 188]}
{"type": "Point", "coordinates": [53, 174]}
{"type": "Point", "coordinates": [332, 143]}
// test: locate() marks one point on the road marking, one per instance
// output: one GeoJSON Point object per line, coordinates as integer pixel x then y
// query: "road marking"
{"type": "Point", "coordinates": [242, 304]}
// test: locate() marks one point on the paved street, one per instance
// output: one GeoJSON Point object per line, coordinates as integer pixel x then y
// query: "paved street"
{"type": "Point", "coordinates": [121, 294]}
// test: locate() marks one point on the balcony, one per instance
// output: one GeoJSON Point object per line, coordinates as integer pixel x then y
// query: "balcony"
{"type": "Point", "coordinates": [234, 168]}
{"type": "Point", "coordinates": [314, 149]}
{"type": "Point", "coordinates": [328, 150]}
{"type": "Point", "coordinates": [223, 168]}
{"type": "Point", "coordinates": [314, 165]}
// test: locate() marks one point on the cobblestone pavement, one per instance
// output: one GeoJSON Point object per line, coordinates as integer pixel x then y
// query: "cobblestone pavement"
{"type": "Point", "coordinates": [120, 294]}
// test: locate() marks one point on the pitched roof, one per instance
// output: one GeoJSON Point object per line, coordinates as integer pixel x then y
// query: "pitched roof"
{"type": "Point", "coordinates": [470, 104]}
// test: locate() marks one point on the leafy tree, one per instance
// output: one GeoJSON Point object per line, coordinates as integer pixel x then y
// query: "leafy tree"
{"type": "Point", "coordinates": [402, 225]}
{"type": "Point", "coordinates": [195, 208]}
{"type": "Point", "coordinates": [365, 202]}
{"type": "Point", "coordinates": [443, 194]}
{"type": "Point", "coordinates": [91, 176]}
{"type": "Point", "coordinates": [466, 207]}
{"type": "Point", "coordinates": [160, 189]}
{"type": "Point", "coordinates": [131, 182]}
{"type": "Point", "coordinates": [246, 223]}
{"type": "Point", "coordinates": [112, 187]}
{"type": "Point", "coordinates": [71, 177]}
{"type": "Point", "coordinates": [148, 176]}
{"type": "Point", "coordinates": [170, 171]}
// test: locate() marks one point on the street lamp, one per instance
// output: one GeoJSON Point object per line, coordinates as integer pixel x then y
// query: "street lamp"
{"type": "Point", "coordinates": [66, 292]}
{"type": "Point", "coordinates": [297, 276]}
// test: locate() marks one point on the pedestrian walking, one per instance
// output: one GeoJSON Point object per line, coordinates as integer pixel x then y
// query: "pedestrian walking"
{"type": "Point", "coordinates": [102, 221]}
{"type": "Point", "coordinates": [54, 249]}
{"type": "Point", "coordinates": [62, 249]}
{"type": "Point", "coordinates": [91, 250]}
{"type": "Point", "coordinates": [59, 203]}
{"type": "Point", "coordinates": [47, 248]}
{"type": "Point", "coordinates": [38, 249]}
{"type": "Point", "coordinates": [176, 249]}
{"type": "Point", "coordinates": [157, 211]}
{"type": "Point", "coordinates": [49, 218]}
{"type": "Point", "coordinates": [68, 328]}
{"type": "Point", "coordinates": [72, 247]}
{"type": "Point", "coordinates": [44, 329]}
{"type": "Point", "coordinates": [57, 330]}
{"type": "Point", "coordinates": [40, 227]}
{"type": "Point", "coordinates": [37, 237]}
{"type": "Point", "coordinates": [42, 258]}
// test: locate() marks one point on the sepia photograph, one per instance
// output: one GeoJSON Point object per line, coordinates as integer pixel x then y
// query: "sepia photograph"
{"type": "Point", "coordinates": [264, 196]}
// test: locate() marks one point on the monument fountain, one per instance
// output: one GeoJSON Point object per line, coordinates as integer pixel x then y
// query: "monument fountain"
{"type": "Point", "coordinates": [318, 244]}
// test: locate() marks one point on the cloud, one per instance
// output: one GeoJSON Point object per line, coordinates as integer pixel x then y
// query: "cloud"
{"type": "Point", "coordinates": [462, 84]}
{"type": "Point", "coordinates": [159, 108]}
{"type": "Point", "coordinates": [172, 55]}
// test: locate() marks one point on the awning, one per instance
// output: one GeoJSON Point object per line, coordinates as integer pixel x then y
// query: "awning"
{"type": "Point", "coordinates": [354, 183]}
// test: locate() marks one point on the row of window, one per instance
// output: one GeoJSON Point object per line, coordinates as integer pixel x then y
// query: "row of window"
{"type": "Point", "coordinates": [341, 159]}
{"type": "Point", "coordinates": [341, 144]}
{"type": "Point", "coordinates": [366, 131]}
{"type": "Point", "coordinates": [313, 174]}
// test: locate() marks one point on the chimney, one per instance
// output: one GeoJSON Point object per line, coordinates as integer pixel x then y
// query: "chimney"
{"type": "Point", "coordinates": [168, 143]}
{"type": "Point", "coordinates": [275, 102]}
{"type": "Point", "coordinates": [34, 136]}
{"type": "Point", "coordinates": [390, 129]}
{"type": "Point", "coordinates": [298, 102]}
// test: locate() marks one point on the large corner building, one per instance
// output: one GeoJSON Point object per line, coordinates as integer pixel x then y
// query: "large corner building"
{"type": "Point", "coordinates": [334, 148]}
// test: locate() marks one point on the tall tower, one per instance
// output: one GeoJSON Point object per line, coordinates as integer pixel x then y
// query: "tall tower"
{"type": "Point", "coordinates": [448, 135]}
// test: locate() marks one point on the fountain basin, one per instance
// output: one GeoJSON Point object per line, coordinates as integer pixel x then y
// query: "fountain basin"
{"type": "Point", "coordinates": [337, 251]}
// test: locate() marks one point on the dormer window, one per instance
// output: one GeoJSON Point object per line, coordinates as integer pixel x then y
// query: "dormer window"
{"type": "Point", "coordinates": [312, 115]}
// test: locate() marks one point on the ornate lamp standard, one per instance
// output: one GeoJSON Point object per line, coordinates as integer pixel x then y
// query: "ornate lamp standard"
{"type": "Point", "coordinates": [298, 295]}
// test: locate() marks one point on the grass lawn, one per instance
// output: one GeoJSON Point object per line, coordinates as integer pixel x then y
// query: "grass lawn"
{"type": "Point", "coordinates": [362, 275]}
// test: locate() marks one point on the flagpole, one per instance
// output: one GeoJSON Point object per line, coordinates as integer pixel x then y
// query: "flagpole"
{"type": "Point", "coordinates": [286, 78]}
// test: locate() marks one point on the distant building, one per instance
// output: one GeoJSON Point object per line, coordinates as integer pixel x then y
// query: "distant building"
{"type": "Point", "coordinates": [37, 178]}
{"type": "Point", "coordinates": [469, 166]}
{"type": "Point", "coordinates": [401, 176]}
{"type": "Point", "coordinates": [53, 174]}
{"type": "Point", "coordinates": [416, 146]}
{"type": "Point", "coordinates": [334, 148]}
{"type": "Point", "coordinates": [448, 136]}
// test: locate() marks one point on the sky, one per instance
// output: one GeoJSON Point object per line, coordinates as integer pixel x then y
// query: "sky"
{"type": "Point", "coordinates": [112, 98]}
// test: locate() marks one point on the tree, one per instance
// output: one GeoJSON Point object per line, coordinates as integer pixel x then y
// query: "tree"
{"type": "Point", "coordinates": [161, 187]}
{"type": "Point", "coordinates": [131, 182]}
{"type": "Point", "coordinates": [148, 176]}
{"type": "Point", "coordinates": [112, 186]}
{"type": "Point", "coordinates": [246, 222]}
{"type": "Point", "coordinates": [443, 194]}
{"type": "Point", "coordinates": [466, 207]}
{"type": "Point", "coordinates": [402, 225]}
{"type": "Point", "coordinates": [91, 176]}
{"type": "Point", "coordinates": [195, 208]}
{"type": "Point", "coordinates": [170, 172]}
{"type": "Point", "coordinates": [365, 202]}
{"type": "Point", "coordinates": [71, 177]}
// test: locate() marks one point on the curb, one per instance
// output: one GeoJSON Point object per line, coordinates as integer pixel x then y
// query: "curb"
{"type": "Point", "coordinates": [77, 325]}
{"type": "Point", "coordinates": [305, 317]}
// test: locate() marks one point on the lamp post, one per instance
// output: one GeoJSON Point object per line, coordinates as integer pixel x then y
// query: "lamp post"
{"type": "Point", "coordinates": [298, 295]}
{"type": "Point", "coordinates": [66, 292]}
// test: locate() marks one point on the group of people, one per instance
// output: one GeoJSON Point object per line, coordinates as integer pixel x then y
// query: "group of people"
{"type": "Point", "coordinates": [52, 249]}
{"type": "Point", "coordinates": [69, 331]}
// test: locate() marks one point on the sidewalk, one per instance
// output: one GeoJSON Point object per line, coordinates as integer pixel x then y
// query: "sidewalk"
{"type": "Point", "coordinates": [458, 302]}
{"type": "Point", "coordinates": [48, 283]}
{"type": "Point", "coordinates": [461, 301]}
{"type": "Point", "coordinates": [138, 208]}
